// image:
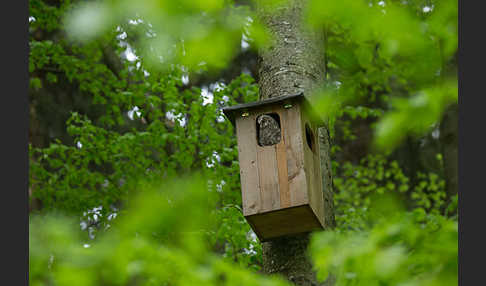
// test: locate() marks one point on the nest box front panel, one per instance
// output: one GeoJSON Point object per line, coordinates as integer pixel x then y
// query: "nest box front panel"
{"type": "Point", "coordinates": [272, 176]}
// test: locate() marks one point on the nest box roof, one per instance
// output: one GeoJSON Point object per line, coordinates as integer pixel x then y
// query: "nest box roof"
{"type": "Point", "coordinates": [232, 111]}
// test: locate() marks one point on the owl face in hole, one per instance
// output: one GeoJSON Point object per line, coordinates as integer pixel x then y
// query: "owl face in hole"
{"type": "Point", "coordinates": [268, 127]}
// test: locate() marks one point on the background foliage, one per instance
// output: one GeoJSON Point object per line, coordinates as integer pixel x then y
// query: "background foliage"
{"type": "Point", "coordinates": [125, 104]}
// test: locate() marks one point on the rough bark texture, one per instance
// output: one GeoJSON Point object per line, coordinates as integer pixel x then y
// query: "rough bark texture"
{"type": "Point", "coordinates": [292, 63]}
{"type": "Point", "coordinates": [324, 153]}
{"type": "Point", "coordinates": [294, 60]}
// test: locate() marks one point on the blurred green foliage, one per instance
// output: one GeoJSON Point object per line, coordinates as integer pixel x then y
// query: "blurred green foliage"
{"type": "Point", "coordinates": [99, 173]}
{"type": "Point", "coordinates": [403, 249]}
{"type": "Point", "coordinates": [118, 205]}
{"type": "Point", "coordinates": [167, 146]}
{"type": "Point", "coordinates": [357, 186]}
{"type": "Point", "coordinates": [398, 55]}
{"type": "Point", "coordinates": [138, 122]}
{"type": "Point", "coordinates": [162, 239]}
{"type": "Point", "coordinates": [186, 32]}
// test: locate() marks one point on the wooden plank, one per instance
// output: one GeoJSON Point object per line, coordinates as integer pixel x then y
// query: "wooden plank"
{"type": "Point", "coordinates": [309, 173]}
{"type": "Point", "coordinates": [247, 156]}
{"type": "Point", "coordinates": [308, 161]}
{"type": "Point", "coordinates": [283, 178]}
{"type": "Point", "coordinates": [291, 119]}
{"type": "Point", "coordinates": [282, 222]}
{"type": "Point", "coordinates": [268, 175]}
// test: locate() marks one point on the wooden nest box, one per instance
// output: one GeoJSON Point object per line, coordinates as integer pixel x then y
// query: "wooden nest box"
{"type": "Point", "coordinates": [281, 181]}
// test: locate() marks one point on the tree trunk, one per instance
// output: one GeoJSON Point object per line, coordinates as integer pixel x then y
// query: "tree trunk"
{"type": "Point", "coordinates": [448, 139]}
{"type": "Point", "coordinates": [292, 63]}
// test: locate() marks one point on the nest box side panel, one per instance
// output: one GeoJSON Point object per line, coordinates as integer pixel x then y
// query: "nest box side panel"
{"type": "Point", "coordinates": [312, 166]}
{"type": "Point", "coordinates": [247, 157]}
{"type": "Point", "coordinates": [292, 136]}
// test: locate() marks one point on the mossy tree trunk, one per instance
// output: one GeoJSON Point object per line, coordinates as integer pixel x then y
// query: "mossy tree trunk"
{"type": "Point", "coordinates": [292, 63]}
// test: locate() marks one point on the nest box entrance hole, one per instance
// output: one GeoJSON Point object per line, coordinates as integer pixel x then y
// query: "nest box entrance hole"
{"type": "Point", "coordinates": [309, 137]}
{"type": "Point", "coordinates": [268, 129]}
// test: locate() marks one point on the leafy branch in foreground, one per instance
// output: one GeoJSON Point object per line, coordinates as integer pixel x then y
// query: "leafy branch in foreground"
{"type": "Point", "coordinates": [161, 239]}
{"type": "Point", "coordinates": [411, 249]}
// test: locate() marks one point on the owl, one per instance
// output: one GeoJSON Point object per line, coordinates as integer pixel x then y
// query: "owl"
{"type": "Point", "coordinates": [268, 130]}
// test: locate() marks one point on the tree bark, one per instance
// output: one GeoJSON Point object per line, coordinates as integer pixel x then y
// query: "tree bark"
{"type": "Point", "coordinates": [292, 63]}
{"type": "Point", "coordinates": [448, 139]}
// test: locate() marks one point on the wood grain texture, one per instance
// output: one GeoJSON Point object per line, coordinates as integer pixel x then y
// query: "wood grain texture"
{"type": "Point", "coordinates": [268, 175]}
{"type": "Point", "coordinates": [283, 177]}
{"type": "Point", "coordinates": [308, 162]}
{"type": "Point", "coordinates": [247, 156]}
{"type": "Point", "coordinates": [291, 119]}
{"type": "Point", "coordinates": [284, 222]}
